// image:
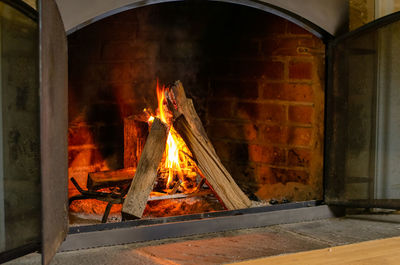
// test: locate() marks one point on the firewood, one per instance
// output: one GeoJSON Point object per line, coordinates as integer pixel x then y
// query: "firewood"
{"type": "Point", "coordinates": [185, 106]}
{"type": "Point", "coordinates": [112, 178]}
{"type": "Point", "coordinates": [215, 173]}
{"type": "Point", "coordinates": [135, 133]}
{"type": "Point", "coordinates": [180, 195]}
{"type": "Point", "coordinates": [189, 126]}
{"type": "Point", "coordinates": [146, 172]}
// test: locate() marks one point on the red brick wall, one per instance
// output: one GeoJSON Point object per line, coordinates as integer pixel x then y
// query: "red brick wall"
{"type": "Point", "coordinates": [256, 80]}
{"type": "Point", "coordinates": [266, 112]}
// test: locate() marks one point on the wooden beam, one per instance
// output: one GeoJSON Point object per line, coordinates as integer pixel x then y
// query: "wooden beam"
{"type": "Point", "coordinates": [189, 126]}
{"type": "Point", "coordinates": [104, 179]}
{"type": "Point", "coordinates": [135, 134]}
{"type": "Point", "coordinates": [214, 171]}
{"type": "Point", "coordinates": [184, 105]}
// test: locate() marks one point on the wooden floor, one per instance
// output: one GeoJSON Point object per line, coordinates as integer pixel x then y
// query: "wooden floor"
{"type": "Point", "coordinates": [382, 252]}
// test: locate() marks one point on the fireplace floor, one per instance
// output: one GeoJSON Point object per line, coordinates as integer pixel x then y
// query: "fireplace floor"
{"type": "Point", "coordinates": [233, 246]}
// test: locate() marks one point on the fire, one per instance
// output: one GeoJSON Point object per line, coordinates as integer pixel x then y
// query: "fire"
{"type": "Point", "coordinates": [175, 161]}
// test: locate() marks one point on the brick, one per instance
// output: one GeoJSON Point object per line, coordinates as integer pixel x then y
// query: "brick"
{"type": "Point", "coordinates": [248, 69]}
{"type": "Point", "coordinates": [128, 109]}
{"type": "Point", "coordinates": [234, 89]}
{"type": "Point", "coordinates": [290, 92]}
{"type": "Point", "coordinates": [221, 147]}
{"type": "Point", "coordinates": [264, 174]}
{"type": "Point", "coordinates": [255, 153]}
{"type": "Point", "coordinates": [275, 25]}
{"type": "Point", "coordinates": [89, 91]}
{"type": "Point", "coordinates": [295, 29]}
{"type": "Point", "coordinates": [227, 130]}
{"type": "Point", "coordinates": [238, 152]}
{"type": "Point", "coordinates": [180, 50]}
{"type": "Point", "coordinates": [300, 70]}
{"type": "Point", "coordinates": [284, 46]}
{"type": "Point", "coordinates": [84, 157]}
{"type": "Point", "coordinates": [274, 134]}
{"type": "Point", "coordinates": [83, 52]}
{"type": "Point", "coordinates": [228, 151]}
{"type": "Point", "coordinates": [139, 91]}
{"type": "Point", "coordinates": [104, 90]}
{"type": "Point", "coordinates": [110, 134]}
{"type": "Point", "coordinates": [300, 136]}
{"type": "Point", "coordinates": [301, 114]}
{"type": "Point", "coordinates": [250, 131]}
{"type": "Point", "coordinates": [244, 175]}
{"type": "Point", "coordinates": [246, 48]}
{"type": "Point", "coordinates": [122, 72]}
{"type": "Point", "coordinates": [285, 175]}
{"type": "Point", "coordinates": [267, 154]}
{"type": "Point", "coordinates": [129, 50]}
{"type": "Point", "coordinates": [220, 109]}
{"type": "Point", "coordinates": [81, 135]}
{"type": "Point", "coordinates": [115, 72]}
{"type": "Point", "coordinates": [103, 113]}
{"type": "Point", "coordinates": [110, 156]}
{"type": "Point", "coordinates": [261, 112]}
{"type": "Point", "coordinates": [299, 157]}
{"type": "Point", "coordinates": [107, 29]}
{"type": "Point", "coordinates": [274, 71]}
{"type": "Point", "coordinates": [270, 175]}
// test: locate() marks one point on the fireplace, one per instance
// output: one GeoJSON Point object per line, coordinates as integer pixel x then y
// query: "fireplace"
{"type": "Point", "coordinates": [303, 122]}
{"type": "Point", "coordinates": [259, 92]}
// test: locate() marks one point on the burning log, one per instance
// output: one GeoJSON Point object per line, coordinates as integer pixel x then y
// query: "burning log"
{"type": "Point", "coordinates": [105, 179]}
{"type": "Point", "coordinates": [215, 173]}
{"type": "Point", "coordinates": [135, 133]}
{"type": "Point", "coordinates": [180, 196]}
{"type": "Point", "coordinates": [184, 105]}
{"type": "Point", "coordinates": [146, 172]}
{"type": "Point", "coordinates": [188, 125]}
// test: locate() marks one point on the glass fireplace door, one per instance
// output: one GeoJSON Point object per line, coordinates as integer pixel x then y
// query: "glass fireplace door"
{"type": "Point", "coordinates": [363, 117]}
{"type": "Point", "coordinates": [33, 129]}
{"type": "Point", "coordinates": [20, 196]}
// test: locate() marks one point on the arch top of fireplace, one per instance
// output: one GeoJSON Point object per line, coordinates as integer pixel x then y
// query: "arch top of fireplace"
{"type": "Point", "coordinates": [322, 18]}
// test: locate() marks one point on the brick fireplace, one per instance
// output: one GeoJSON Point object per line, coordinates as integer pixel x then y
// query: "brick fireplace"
{"type": "Point", "coordinates": [257, 81]}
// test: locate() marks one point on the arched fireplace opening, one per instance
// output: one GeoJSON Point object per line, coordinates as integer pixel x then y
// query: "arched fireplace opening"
{"type": "Point", "coordinates": [256, 80]}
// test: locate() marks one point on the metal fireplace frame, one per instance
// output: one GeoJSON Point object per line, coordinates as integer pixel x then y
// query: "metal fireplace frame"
{"type": "Point", "coordinates": [100, 235]}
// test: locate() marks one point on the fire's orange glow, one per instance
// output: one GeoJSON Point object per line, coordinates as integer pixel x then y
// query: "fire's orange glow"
{"type": "Point", "coordinates": [175, 160]}
{"type": "Point", "coordinates": [161, 101]}
{"type": "Point", "coordinates": [177, 174]}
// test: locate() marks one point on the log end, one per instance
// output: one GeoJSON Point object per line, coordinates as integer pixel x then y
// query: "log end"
{"type": "Point", "coordinates": [128, 217]}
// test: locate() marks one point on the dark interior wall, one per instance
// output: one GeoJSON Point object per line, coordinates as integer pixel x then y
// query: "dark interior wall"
{"type": "Point", "coordinates": [256, 80]}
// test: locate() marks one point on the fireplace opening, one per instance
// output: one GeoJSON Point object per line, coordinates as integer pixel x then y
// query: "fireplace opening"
{"type": "Point", "coordinates": [257, 85]}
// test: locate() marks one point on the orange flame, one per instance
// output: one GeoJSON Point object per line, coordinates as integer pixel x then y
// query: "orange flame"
{"type": "Point", "coordinates": [161, 101]}
{"type": "Point", "coordinates": [175, 163]}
